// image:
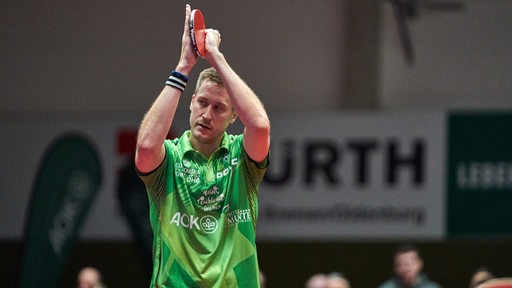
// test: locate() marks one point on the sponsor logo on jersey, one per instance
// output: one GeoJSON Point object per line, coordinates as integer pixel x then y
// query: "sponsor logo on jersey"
{"type": "Point", "coordinates": [238, 216]}
{"type": "Point", "coordinates": [211, 199]}
{"type": "Point", "coordinates": [192, 172]}
{"type": "Point", "coordinates": [207, 224]}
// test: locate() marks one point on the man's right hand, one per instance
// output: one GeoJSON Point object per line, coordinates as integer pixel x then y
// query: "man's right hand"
{"type": "Point", "coordinates": [188, 57]}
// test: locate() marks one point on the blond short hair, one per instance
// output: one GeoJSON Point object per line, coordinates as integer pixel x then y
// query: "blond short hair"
{"type": "Point", "coordinates": [211, 75]}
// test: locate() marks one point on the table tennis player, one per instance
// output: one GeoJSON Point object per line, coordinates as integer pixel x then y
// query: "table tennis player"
{"type": "Point", "coordinates": [203, 185]}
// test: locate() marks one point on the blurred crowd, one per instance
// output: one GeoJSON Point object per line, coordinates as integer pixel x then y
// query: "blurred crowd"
{"type": "Point", "coordinates": [407, 267]}
{"type": "Point", "coordinates": [408, 273]}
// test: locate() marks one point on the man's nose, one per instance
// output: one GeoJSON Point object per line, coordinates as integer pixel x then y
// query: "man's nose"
{"type": "Point", "coordinates": [207, 113]}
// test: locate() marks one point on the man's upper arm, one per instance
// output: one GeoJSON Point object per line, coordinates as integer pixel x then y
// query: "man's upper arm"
{"type": "Point", "coordinates": [257, 143]}
{"type": "Point", "coordinates": [147, 160]}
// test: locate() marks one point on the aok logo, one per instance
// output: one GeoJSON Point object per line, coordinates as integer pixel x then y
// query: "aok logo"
{"type": "Point", "coordinates": [207, 224]}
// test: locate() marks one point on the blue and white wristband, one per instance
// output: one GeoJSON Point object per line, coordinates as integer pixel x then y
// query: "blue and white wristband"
{"type": "Point", "coordinates": [177, 80]}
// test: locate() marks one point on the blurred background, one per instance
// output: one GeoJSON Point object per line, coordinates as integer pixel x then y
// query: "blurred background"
{"type": "Point", "coordinates": [353, 81]}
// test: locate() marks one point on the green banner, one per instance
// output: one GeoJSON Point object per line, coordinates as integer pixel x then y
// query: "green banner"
{"type": "Point", "coordinates": [134, 203]}
{"type": "Point", "coordinates": [66, 184]}
{"type": "Point", "coordinates": [479, 184]}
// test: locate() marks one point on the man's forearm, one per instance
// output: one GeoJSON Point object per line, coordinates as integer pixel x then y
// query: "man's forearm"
{"type": "Point", "coordinates": [247, 105]}
{"type": "Point", "coordinates": [154, 129]}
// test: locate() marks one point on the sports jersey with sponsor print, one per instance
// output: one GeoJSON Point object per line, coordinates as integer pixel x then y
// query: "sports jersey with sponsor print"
{"type": "Point", "coordinates": [203, 213]}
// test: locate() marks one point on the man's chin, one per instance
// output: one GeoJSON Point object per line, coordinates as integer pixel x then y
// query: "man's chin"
{"type": "Point", "coordinates": [409, 280]}
{"type": "Point", "coordinates": [202, 134]}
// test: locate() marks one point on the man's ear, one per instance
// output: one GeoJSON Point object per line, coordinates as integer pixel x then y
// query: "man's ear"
{"type": "Point", "coordinates": [191, 101]}
{"type": "Point", "coordinates": [421, 264]}
{"type": "Point", "coordinates": [233, 118]}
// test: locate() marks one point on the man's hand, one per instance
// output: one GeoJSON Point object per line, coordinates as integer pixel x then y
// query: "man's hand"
{"type": "Point", "coordinates": [212, 42]}
{"type": "Point", "coordinates": [188, 57]}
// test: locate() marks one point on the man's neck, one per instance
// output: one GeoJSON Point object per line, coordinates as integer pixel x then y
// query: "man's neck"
{"type": "Point", "coordinates": [410, 283]}
{"type": "Point", "coordinates": [206, 149]}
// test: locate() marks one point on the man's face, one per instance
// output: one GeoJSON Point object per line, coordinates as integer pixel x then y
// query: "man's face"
{"type": "Point", "coordinates": [88, 278]}
{"type": "Point", "coordinates": [337, 283]}
{"type": "Point", "coordinates": [479, 278]}
{"type": "Point", "coordinates": [211, 113]}
{"type": "Point", "coordinates": [408, 266]}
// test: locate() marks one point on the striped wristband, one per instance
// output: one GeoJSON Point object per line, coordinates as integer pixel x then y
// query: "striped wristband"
{"type": "Point", "coordinates": [177, 80]}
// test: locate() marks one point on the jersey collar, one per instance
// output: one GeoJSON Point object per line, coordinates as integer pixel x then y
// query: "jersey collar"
{"type": "Point", "coordinates": [187, 148]}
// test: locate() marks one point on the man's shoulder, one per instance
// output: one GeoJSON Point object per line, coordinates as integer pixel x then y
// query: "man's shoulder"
{"type": "Point", "coordinates": [232, 138]}
{"type": "Point", "coordinates": [431, 284]}
{"type": "Point", "coordinates": [179, 144]}
{"type": "Point", "coordinates": [391, 283]}
{"type": "Point", "coordinates": [428, 283]}
{"type": "Point", "coordinates": [232, 142]}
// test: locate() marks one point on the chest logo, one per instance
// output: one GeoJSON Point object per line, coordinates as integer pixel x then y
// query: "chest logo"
{"type": "Point", "coordinates": [207, 224]}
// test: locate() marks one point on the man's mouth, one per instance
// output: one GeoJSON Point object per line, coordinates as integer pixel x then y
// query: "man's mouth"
{"type": "Point", "coordinates": [203, 126]}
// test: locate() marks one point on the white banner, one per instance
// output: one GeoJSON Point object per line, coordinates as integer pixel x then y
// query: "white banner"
{"type": "Point", "coordinates": [358, 176]}
{"type": "Point", "coordinates": [24, 141]}
{"type": "Point", "coordinates": [371, 176]}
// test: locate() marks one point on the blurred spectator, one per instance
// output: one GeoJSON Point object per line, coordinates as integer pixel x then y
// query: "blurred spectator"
{"type": "Point", "coordinates": [408, 267]}
{"type": "Point", "coordinates": [318, 280]}
{"type": "Point", "coordinates": [263, 280]}
{"type": "Point", "coordinates": [337, 280]}
{"type": "Point", "coordinates": [480, 275]}
{"type": "Point", "coordinates": [89, 277]}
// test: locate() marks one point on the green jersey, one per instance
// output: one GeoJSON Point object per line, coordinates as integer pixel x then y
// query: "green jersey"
{"type": "Point", "coordinates": [203, 213]}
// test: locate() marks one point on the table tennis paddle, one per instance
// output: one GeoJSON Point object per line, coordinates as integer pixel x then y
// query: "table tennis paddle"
{"type": "Point", "coordinates": [197, 31]}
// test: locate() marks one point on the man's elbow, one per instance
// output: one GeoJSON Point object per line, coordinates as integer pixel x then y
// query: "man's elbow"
{"type": "Point", "coordinates": [262, 125]}
{"type": "Point", "coordinates": [146, 155]}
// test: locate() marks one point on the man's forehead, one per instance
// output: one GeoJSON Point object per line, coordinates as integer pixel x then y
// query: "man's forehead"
{"type": "Point", "coordinates": [208, 83]}
{"type": "Point", "coordinates": [213, 93]}
{"type": "Point", "coordinates": [407, 255]}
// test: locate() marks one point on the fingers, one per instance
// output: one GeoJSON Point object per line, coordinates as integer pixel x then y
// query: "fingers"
{"type": "Point", "coordinates": [212, 43]}
{"type": "Point", "coordinates": [188, 57]}
{"type": "Point", "coordinates": [187, 18]}
{"type": "Point", "coordinates": [215, 32]}
{"type": "Point", "coordinates": [213, 37]}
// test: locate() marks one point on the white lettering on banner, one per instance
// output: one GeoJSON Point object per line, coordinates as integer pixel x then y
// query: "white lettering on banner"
{"type": "Point", "coordinates": [79, 186]}
{"type": "Point", "coordinates": [63, 223]}
{"type": "Point", "coordinates": [484, 175]}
